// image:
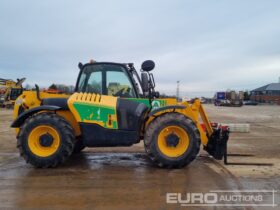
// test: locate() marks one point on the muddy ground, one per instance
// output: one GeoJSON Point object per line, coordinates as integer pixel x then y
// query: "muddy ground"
{"type": "Point", "coordinates": [123, 178]}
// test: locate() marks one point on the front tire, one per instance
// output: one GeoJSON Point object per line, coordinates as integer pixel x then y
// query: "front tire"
{"type": "Point", "coordinates": [172, 140]}
{"type": "Point", "coordinates": [46, 140]}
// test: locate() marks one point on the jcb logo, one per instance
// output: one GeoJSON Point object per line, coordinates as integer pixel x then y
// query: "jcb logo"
{"type": "Point", "coordinates": [155, 104]}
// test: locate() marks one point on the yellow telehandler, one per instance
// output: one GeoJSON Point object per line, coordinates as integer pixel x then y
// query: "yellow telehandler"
{"type": "Point", "coordinates": [9, 91]}
{"type": "Point", "coordinates": [113, 106]}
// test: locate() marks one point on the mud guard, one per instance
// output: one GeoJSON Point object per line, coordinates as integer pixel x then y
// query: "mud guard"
{"type": "Point", "coordinates": [174, 107]}
{"type": "Point", "coordinates": [23, 116]}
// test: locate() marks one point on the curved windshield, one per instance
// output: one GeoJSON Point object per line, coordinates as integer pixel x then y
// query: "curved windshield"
{"type": "Point", "coordinates": [106, 79]}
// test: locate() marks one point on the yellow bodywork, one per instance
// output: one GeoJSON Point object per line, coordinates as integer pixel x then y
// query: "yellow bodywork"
{"type": "Point", "coordinates": [93, 106]}
{"type": "Point", "coordinates": [193, 111]}
{"type": "Point", "coordinates": [29, 100]}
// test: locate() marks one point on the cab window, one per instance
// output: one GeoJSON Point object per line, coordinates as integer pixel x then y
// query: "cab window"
{"type": "Point", "coordinates": [94, 84]}
{"type": "Point", "coordinates": [118, 84]}
{"type": "Point", "coordinates": [106, 79]}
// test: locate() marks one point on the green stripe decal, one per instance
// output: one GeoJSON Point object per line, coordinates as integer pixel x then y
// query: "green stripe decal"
{"type": "Point", "coordinates": [97, 113]}
{"type": "Point", "coordinates": [156, 103]}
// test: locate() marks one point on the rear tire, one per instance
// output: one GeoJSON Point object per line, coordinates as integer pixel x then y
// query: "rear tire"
{"type": "Point", "coordinates": [51, 153]}
{"type": "Point", "coordinates": [172, 156]}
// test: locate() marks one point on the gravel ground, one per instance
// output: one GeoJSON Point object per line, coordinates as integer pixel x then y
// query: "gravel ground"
{"type": "Point", "coordinates": [123, 178]}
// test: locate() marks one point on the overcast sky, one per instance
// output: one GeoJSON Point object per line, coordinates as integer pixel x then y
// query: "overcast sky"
{"type": "Point", "coordinates": [208, 45]}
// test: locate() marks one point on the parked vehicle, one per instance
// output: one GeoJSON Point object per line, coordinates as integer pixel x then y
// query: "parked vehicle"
{"type": "Point", "coordinates": [230, 98]}
{"type": "Point", "coordinates": [252, 103]}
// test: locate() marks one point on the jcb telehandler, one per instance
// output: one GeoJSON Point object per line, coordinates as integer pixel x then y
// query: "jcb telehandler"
{"type": "Point", "coordinates": [114, 106]}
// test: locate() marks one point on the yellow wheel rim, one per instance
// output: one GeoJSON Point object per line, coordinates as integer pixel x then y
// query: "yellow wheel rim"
{"type": "Point", "coordinates": [36, 146]}
{"type": "Point", "coordinates": [176, 150]}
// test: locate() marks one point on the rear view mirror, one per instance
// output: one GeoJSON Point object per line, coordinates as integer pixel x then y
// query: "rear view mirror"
{"type": "Point", "coordinates": [80, 65]}
{"type": "Point", "coordinates": [148, 65]}
{"type": "Point", "coordinates": [145, 82]}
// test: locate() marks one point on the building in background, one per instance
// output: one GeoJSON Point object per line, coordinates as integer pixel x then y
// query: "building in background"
{"type": "Point", "coordinates": [267, 94]}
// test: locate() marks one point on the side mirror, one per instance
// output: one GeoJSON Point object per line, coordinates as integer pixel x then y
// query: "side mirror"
{"type": "Point", "coordinates": [145, 82]}
{"type": "Point", "coordinates": [148, 65]}
{"type": "Point", "coordinates": [80, 65]}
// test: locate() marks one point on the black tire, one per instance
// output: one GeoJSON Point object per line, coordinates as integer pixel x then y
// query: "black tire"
{"type": "Point", "coordinates": [151, 143]}
{"type": "Point", "coordinates": [79, 146]}
{"type": "Point", "coordinates": [62, 127]}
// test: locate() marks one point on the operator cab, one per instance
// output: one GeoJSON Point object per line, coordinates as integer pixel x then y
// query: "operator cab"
{"type": "Point", "coordinates": [122, 81]}
{"type": "Point", "coordinates": [115, 79]}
